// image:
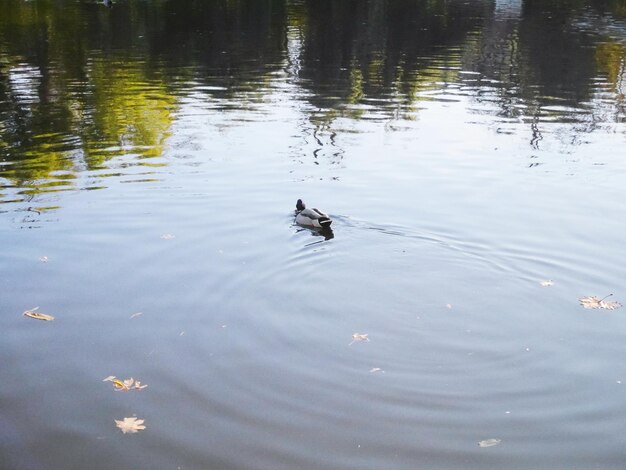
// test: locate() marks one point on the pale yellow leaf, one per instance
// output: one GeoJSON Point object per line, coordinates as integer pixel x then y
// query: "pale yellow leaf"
{"type": "Point", "coordinates": [593, 302]}
{"type": "Point", "coordinates": [119, 385]}
{"type": "Point", "coordinates": [37, 316]}
{"type": "Point", "coordinates": [126, 385]}
{"type": "Point", "coordinates": [130, 425]}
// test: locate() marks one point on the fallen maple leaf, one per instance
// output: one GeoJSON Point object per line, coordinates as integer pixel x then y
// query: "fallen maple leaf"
{"type": "Point", "coordinates": [594, 302]}
{"type": "Point", "coordinates": [36, 315]}
{"type": "Point", "coordinates": [130, 425]}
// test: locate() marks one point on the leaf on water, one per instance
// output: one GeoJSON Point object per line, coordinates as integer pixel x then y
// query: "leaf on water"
{"type": "Point", "coordinates": [129, 382]}
{"type": "Point", "coordinates": [594, 302]}
{"type": "Point", "coordinates": [119, 385]}
{"type": "Point", "coordinates": [36, 315]}
{"type": "Point", "coordinates": [168, 236]}
{"type": "Point", "coordinates": [130, 425]}
{"type": "Point", "coordinates": [125, 385]}
{"type": "Point", "coordinates": [489, 442]}
{"type": "Point", "coordinates": [359, 337]}
{"type": "Point", "coordinates": [547, 283]}
{"type": "Point", "coordinates": [136, 314]}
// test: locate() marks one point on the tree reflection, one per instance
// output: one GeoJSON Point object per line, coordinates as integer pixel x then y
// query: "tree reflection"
{"type": "Point", "coordinates": [81, 83]}
{"type": "Point", "coordinates": [379, 49]}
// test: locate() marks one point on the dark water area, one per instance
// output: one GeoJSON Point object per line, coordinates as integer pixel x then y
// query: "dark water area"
{"type": "Point", "coordinates": [151, 155]}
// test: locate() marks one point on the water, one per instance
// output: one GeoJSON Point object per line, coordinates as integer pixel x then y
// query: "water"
{"type": "Point", "coordinates": [150, 161]}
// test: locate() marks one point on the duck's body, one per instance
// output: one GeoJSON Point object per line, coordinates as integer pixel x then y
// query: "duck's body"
{"type": "Point", "coordinates": [311, 217]}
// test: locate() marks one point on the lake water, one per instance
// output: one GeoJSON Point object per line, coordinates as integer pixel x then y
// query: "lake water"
{"type": "Point", "coordinates": [151, 156]}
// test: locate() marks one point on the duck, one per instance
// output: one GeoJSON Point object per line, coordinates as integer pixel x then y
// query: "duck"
{"type": "Point", "coordinates": [311, 217]}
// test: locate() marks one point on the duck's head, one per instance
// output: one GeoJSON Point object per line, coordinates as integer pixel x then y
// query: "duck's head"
{"type": "Point", "coordinates": [300, 205]}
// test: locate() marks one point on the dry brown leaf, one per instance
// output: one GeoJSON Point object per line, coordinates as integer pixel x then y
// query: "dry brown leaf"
{"type": "Point", "coordinates": [36, 315]}
{"type": "Point", "coordinates": [130, 425]}
{"type": "Point", "coordinates": [594, 302]}
{"type": "Point", "coordinates": [359, 337]}
{"type": "Point", "coordinates": [489, 442]}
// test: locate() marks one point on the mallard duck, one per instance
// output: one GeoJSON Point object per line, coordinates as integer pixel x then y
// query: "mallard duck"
{"type": "Point", "coordinates": [311, 217]}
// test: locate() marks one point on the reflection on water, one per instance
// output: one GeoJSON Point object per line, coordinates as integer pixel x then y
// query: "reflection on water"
{"type": "Point", "coordinates": [327, 233]}
{"type": "Point", "coordinates": [466, 151]}
{"type": "Point", "coordinates": [82, 85]}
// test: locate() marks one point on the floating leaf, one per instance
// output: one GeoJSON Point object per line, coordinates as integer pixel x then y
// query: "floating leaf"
{"type": "Point", "coordinates": [36, 315]}
{"type": "Point", "coordinates": [130, 425]}
{"type": "Point", "coordinates": [359, 337]}
{"type": "Point", "coordinates": [125, 385]}
{"type": "Point", "coordinates": [594, 302]}
{"type": "Point", "coordinates": [119, 385]}
{"type": "Point", "coordinates": [489, 442]}
{"type": "Point", "coordinates": [547, 283]}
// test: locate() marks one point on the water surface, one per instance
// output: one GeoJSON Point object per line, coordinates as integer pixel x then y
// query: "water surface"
{"type": "Point", "coordinates": [151, 155]}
